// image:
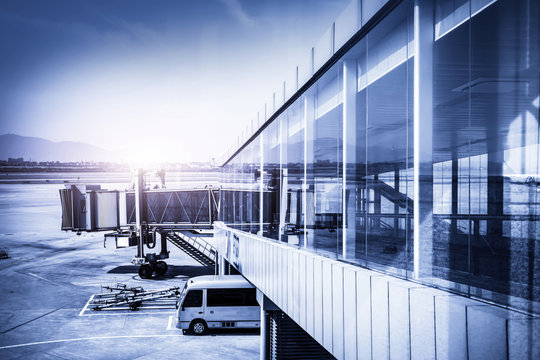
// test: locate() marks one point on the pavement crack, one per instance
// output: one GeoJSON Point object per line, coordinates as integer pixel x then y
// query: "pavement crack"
{"type": "Point", "coordinates": [29, 321]}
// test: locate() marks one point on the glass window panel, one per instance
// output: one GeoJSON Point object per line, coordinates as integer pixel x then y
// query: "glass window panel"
{"type": "Point", "coordinates": [479, 5]}
{"type": "Point", "coordinates": [387, 142]}
{"type": "Point", "coordinates": [450, 14]}
{"type": "Point", "coordinates": [486, 126]}
{"type": "Point", "coordinates": [504, 140]}
{"type": "Point", "coordinates": [324, 166]}
{"type": "Point", "coordinates": [271, 179]}
{"type": "Point", "coordinates": [370, 8]}
{"type": "Point", "coordinates": [354, 103]}
{"type": "Point", "coordinates": [305, 69]}
{"type": "Point", "coordinates": [324, 49]}
{"type": "Point", "coordinates": [347, 24]}
{"type": "Point", "coordinates": [293, 173]}
{"type": "Point", "coordinates": [255, 168]}
{"type": "Point", "coordinates": [450, 146]}
{"type": "Point", "coordinates": [237, 185]}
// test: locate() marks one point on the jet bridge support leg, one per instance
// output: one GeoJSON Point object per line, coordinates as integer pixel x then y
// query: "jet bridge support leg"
{"type": "Point", "coordinates": [164, 250]}
{"type": "Point", "coordinates": [152, 262]}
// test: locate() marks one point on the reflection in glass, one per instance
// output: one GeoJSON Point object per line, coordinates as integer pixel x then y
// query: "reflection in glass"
{"type": "Point", "coordinates": [324, 132]}
{"type": "Point", "coordinates": [293, 174]}
{"type": "Point", "coordinates": [271, 180]}
{"type": "Point", "coordinates": [480, 167]}
{"type": "Point", "coordinates": [486, 157]}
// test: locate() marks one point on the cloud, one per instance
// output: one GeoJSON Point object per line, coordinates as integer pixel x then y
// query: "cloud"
{"type": "Point", "coordinates": [235, 9]}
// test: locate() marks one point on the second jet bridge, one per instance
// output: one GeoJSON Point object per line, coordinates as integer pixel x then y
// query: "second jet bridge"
{"type": "Point", "coordinates": [89, 208]}
{"type": "Point", "coordinates": [137, 217]}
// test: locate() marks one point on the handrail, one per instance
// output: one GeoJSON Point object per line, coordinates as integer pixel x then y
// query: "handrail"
{"type": "Point", "coordinates": [199, 244]}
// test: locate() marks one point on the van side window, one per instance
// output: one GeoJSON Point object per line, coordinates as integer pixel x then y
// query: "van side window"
{"type": "Point", "coordinates": [231, 297]}
{"type": "Point", "coordinates": [193, 299]}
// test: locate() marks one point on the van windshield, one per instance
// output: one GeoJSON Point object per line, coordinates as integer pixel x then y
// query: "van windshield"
{"type": "Point", "coordinates": [183, 292]}
{"type": "Point", "coordinates": [193, 299]}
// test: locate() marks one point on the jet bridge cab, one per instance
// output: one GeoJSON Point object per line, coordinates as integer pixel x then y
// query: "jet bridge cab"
{"type": "Point", "coordinates": [216, 302]}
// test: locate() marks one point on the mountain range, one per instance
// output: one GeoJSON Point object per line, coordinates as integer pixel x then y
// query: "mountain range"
{"type": "Point", "coordinates": [38, 149]}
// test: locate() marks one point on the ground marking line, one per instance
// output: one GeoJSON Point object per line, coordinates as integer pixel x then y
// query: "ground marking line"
{"type": "Point", "coordinates": [86, 339]}
{"type": "Point", "coordinates": [170, 326]}
{"type": "Point", "coordinates": [29, 321]}
{"type": "Point", "coordinates": [37, 276]}
{"type": "Point", "coordinates": [42, 278]}
{"type": "Point", "coordinates": [127, 312]}
{"type": "Point", "coordinates": [87, 303]}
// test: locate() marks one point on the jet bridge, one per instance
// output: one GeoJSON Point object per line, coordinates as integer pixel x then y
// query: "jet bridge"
{"type": "Point", "coordinates": [136, 217]}
{"type": "Point", "coordinates": [90, 208]}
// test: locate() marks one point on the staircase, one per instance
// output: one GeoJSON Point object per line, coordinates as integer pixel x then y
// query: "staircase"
{"type": "Point", "coordinates": [196, 247]}
{"type": "Point", "coordinates": [402, 200]}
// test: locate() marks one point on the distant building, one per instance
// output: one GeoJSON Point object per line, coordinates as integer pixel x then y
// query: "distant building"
{"type": "Point", "coordinates": [390, 207]}
{"type": "Point", "coordinates": [15, 161]}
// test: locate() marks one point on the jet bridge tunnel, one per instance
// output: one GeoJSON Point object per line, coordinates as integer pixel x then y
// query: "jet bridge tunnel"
{"type": "Point", "coordinates": [136, 217]}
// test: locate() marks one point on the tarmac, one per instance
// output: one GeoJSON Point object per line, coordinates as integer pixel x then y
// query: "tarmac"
{"type": "Point", "coordinates": [47, 281]}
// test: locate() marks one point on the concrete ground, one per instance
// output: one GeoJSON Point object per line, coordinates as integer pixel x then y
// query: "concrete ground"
{"type": "Point", "coordinates": [46, 283]}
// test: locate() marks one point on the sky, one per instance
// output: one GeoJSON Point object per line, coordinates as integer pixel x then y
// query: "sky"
{"type": "Point", "coordinates": [153, 81]}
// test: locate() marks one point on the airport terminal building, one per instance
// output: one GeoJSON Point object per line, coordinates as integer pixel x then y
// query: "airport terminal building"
{"type": "Point", "coordinates": [388, 205]}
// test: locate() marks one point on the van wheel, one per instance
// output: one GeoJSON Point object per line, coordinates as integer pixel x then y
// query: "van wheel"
{"type": "Point", "coordinates": [198, 327]}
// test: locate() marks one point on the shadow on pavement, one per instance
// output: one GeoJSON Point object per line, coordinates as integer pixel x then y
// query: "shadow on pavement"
{"type": "Point", "coordinates": [172, 272]}
{"type": "Point", "coordinates": [229, 332]}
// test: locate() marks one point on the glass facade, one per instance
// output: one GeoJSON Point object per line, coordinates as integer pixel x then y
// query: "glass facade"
{"type": "Point", "coordinates": [335, 172]}
{"type": "Point", "coordinates": [486, 189]}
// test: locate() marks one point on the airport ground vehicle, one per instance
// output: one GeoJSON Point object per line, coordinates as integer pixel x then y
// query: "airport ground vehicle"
{"type": "Point", "coordinates": [213, 302]}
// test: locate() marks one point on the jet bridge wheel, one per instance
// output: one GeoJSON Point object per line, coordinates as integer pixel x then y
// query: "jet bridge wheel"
{"type": "Point", "coordinates": [145, 271]}
{"type": "Point", "coordinates": [135, 305]}
{"type": "Point", "coordinates": [160, 268]}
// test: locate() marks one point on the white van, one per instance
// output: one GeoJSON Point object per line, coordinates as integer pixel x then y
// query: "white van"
{"type": "Point", "coordinates": [212, 302]}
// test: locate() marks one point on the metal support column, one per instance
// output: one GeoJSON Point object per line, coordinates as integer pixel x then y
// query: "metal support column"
{"type": "Point", "coordinates": [350, 88]}
{"type": "Point", "coordinates": [264, 335]}
{"type": "Point", "coordinates": [266, 305]}
{"type": "Point", "coordinates": [308, 205]}
{"type": "Point", "coordinates": [164, 250]}
{"type": "Point", "coordinates": [423, 138]}
{"type": "Point", "coordinates": [221, 264]}
{"type": "Point", "coordinates": [139, 214]}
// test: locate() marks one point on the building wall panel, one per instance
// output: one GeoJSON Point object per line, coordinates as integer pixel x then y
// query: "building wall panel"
{"type": "Point", "coordinates": [283, 278]}
{"type": "Point", "coordinates": [318, 300]}
{"type": "Point", "coordinates": [422, 323]}
{"type": "Point", "coordinates": [337, 310]}
{"type": "Point", "coordinates": [451, 327]}
{"type": "Point", "coordinates": [290, 276]}
{"type": "Point", "coordinates": [296, 290]}
{"type": "Point", "coordinates": [523, 339]}
{"type": "Point", "coordinates": [363, 314]}
{"type": "Point", "coordinates": [302, 286]}
{"type": "Point", "coordinates": [358, 313]}
{"type": "Point", "coordinates": [398, 296]}
{"type": "Point", "coordinates": [379, 312]}
{"type": "Point", "coordinates": [327, 312]}
{"type": "Point", "coordinates": [310, 295]}
{"type": "Point", "coordinates": [349, 311]}
{"type": "Point", "coordinates": [485, 329]}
